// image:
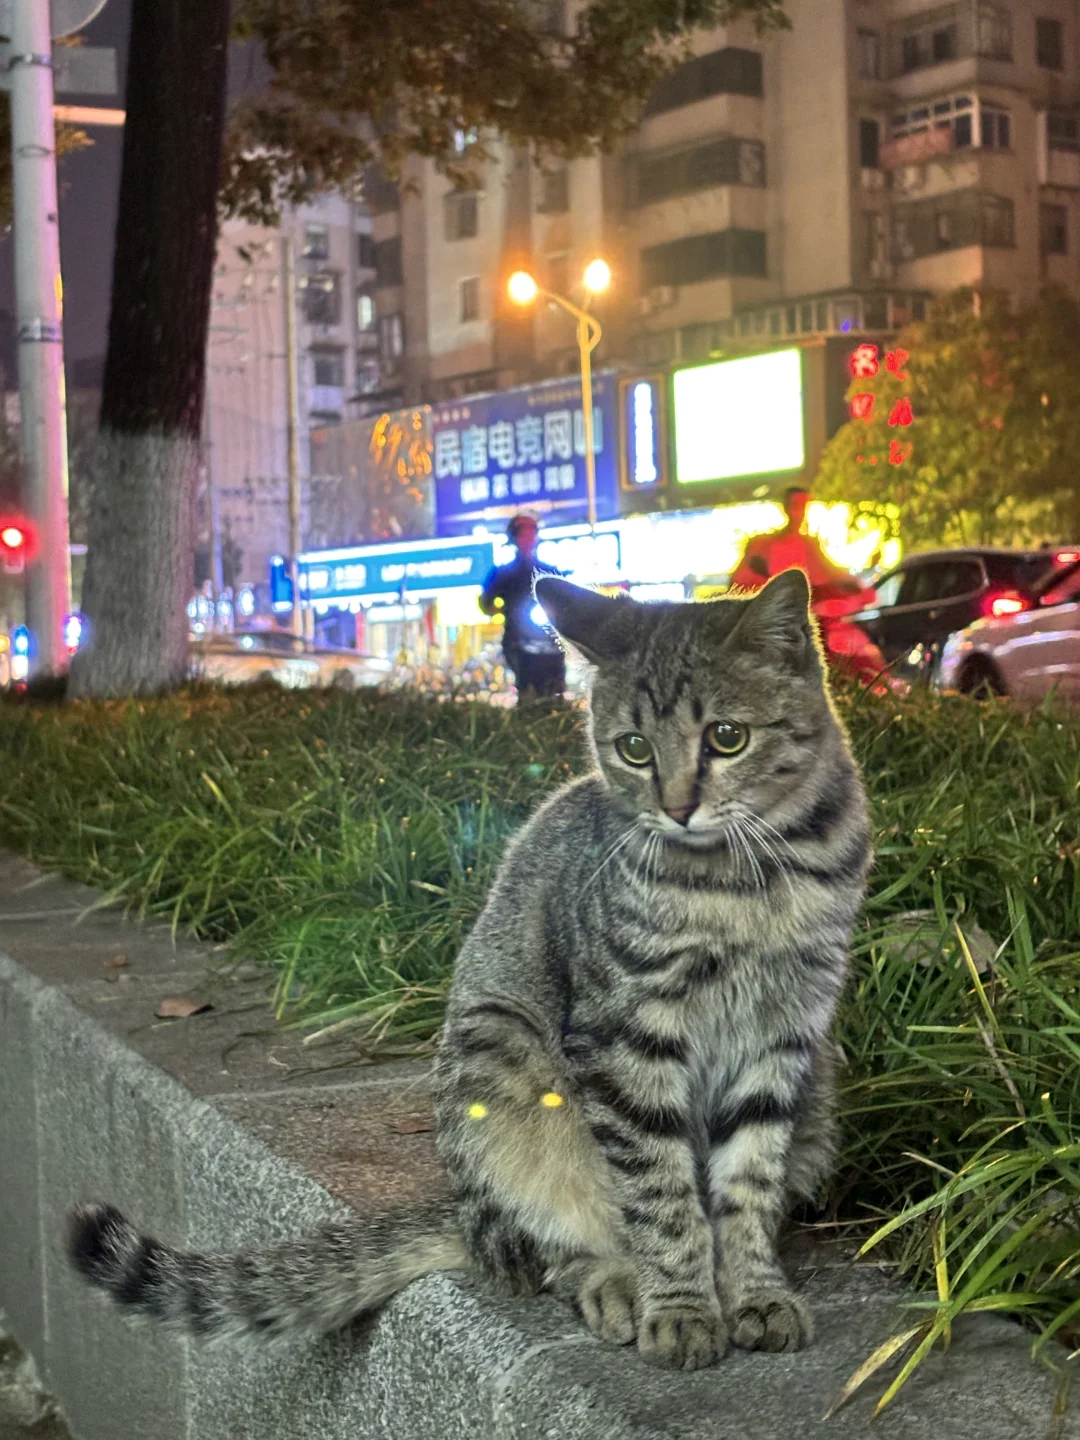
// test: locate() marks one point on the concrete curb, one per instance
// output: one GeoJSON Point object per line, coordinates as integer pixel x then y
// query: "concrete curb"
{"type": "Point", "coordinates": [99, 1101]}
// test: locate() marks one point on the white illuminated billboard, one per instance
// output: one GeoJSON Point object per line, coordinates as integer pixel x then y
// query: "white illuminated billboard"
{"type": "Point", "coordinates": [739, 417]}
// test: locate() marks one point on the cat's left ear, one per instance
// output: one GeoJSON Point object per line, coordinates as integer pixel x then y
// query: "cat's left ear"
{"type": "Point", "coordinates": [777, 621]}
{"type": "Point", "coordinates": [600, 626]}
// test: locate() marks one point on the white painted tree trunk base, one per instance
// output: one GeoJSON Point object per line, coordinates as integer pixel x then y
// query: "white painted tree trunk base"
{"type": "Point", "coordinates": [138, 573]}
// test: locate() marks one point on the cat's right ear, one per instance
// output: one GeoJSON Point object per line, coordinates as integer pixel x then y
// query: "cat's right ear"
{"type": "Point", "coordinates": [600, 626]}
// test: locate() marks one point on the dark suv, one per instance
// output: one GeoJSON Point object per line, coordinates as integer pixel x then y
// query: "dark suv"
{"type": "Point", "coordinates": [929, 596]}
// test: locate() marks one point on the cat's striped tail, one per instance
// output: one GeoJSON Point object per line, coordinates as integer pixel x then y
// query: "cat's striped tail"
{"type": "Point", "coordinates": [300, 1288]}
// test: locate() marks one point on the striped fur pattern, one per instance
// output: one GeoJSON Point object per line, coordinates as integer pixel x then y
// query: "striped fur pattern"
{"type": "Point", "coordinates": [635, 1078]}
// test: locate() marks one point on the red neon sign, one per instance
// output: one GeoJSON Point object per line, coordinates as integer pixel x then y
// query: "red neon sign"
{"type": "Point", "coordinates": [864, 361]}
{"type": "Point", "coordinates": [862, 407]}
{"type": "Point", "coordinates": [894, 363]}
{"type": "Point", "coordinates": [901, 413]}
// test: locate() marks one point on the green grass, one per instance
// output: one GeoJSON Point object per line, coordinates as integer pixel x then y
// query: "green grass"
{"type": "Point", "coordinates": [348, 841]}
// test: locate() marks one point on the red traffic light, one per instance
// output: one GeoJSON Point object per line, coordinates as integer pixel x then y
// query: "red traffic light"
{"type": "Point", "coordinates": [16, 542]}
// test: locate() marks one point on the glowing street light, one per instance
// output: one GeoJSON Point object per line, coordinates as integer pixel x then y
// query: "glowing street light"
{"type": "Point", "coordinates": [597, 276]}
{"type": "Point", "coordinates": [523, 290]}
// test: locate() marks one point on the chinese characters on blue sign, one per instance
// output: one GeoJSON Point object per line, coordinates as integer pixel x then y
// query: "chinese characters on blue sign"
{"type": "Point", "coordinates": [385, 571]}
{"type": "Point", "coordinates": [523, 449]}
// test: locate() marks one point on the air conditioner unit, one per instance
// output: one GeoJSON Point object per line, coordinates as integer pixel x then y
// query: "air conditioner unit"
{"type": "Point", "coordinates": [661, 295]}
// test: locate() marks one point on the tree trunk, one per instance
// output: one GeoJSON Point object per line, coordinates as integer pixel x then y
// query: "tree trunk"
{"type": "Point", "coordinates": [139, 571]}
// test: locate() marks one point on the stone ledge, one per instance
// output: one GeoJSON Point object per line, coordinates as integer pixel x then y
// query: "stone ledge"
{"type": "Point", "coordinates": [213, 1134]}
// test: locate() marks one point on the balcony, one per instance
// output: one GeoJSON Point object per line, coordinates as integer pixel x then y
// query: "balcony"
{"type": "Point", "coordinates": [961, 31]}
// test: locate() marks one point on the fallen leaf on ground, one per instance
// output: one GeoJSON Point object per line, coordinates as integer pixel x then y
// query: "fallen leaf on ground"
{"type": "Point", "coordinates": [412, 1125]}
{"type": "Point", "coordinates": [179, 1007]}
{"type": "Point", "coordinates": [116, 962]}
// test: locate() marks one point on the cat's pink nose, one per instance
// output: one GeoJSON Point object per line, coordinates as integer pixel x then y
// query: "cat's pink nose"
{"type": "Point", "coordinates": [682, 814]}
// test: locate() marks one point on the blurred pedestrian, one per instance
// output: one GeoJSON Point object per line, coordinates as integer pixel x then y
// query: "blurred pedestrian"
{"type": "Point", "coordinates": [791, 548]}
{"type": "Point", "coordinates": [529, 647]}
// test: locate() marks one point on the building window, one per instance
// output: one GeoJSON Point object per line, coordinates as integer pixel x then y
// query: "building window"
{"type": "Point", "coordinates": [1049, 44]}
{"type": "Point", "coordinates": [461, 214]}
{"type": "Point", "coordinates": [704, 257]}
{"type": "Point", "coordinates": [470, 299]}
{"type": "Point", "coordinates": [994, 33]}
{"type": "Point", "coordinates": [554, 192]}
{"type": "Point", "coordinates": [730, 161]}
{"type": "Point", "coordinates": [365, 310]}
{"type": "Point", "coordinates": [1062, 130]}
{"type": "Point", "coordinates": [869, 143]}
{"type": "Point", "coordinates": [391, 336]}
{"type": "Point", "coordinates": [868, 44]}
{"type": "Point", "coordinates": [973, 122]}
{"type": "Point", "coordinates": [388, 262]}
{"type": "Point", "coordinates": [316, 242]}
{"type": "Point", "coordinates": [722, 72]}
{"type": "Point", "coordinates": [327, 367]}
{"type": "Point", "coordinates": [996, 127]}
{"type": "Point", "coordinates": [322, 297]}
{"type": "Point", "coordinates": [365, 252]}
{"type": "Point", "coordinates": [1054, 229]}
{"type": "Point", "coordinates": [367, 375]}
{"type": "Point", "coordinates": [951, 221]}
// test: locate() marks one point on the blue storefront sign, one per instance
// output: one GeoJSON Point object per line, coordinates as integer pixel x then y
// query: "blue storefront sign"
{"type": "Point", "coordinates": [367, 572]}
{"type": "Point", "coordinates": [644, 444]}
{"type": "Point", "coordinates": [523, 449]}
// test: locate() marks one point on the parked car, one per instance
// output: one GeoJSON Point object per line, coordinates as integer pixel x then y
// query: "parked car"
{"type": "Point", "coordinates": [250, 655]}
{"type": "Point", "coordinates": [1027, 652]}
{"type": "Point", "coordinates": [929, 597]}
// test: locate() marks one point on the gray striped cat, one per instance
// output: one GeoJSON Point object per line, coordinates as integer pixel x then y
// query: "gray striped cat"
{"type": "Point", "coordinates": [635, 1078]}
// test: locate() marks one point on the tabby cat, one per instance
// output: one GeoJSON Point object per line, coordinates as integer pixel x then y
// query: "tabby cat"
{"type": "Point", "coordinates": [636, 1073]}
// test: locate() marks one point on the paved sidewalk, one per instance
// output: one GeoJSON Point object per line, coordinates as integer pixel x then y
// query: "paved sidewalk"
{"type": "Point", "coordinates": [215, 1131]}
{"type": "Point", "coordinates": [26, 1413]}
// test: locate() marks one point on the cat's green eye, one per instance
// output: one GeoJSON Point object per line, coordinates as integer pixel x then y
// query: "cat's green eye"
{"type": "Point", "coordinates": [726, 737]}
{"type": "Point", "coordinates": [634, 749]}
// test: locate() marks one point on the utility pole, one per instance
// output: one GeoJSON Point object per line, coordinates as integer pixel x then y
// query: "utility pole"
{"type": "Point", "coordinates": [292, 412]}
{"type": "Point", "coordinates": [38, 303]}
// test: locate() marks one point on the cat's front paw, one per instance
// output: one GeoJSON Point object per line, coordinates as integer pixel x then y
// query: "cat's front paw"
{"type": "Point", "coordinates": [608, 1302]}
{"type": "Point", "coordinates": [682, 1338]}
{"type": "Point", "coordinates": [770, 1320]}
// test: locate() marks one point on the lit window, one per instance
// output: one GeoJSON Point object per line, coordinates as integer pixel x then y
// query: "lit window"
{"type": "Point", "coordinates": [316, 242]}
{"type": "Point", "coordinates": [322, 297]}
{"type": "Point", "coordinates": [365, 310]}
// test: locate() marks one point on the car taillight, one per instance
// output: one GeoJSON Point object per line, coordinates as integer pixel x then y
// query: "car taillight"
{"type": "Point", "coordinates": [1005, 603]}
{"type": "Point", "coordinates": [1067, 557]}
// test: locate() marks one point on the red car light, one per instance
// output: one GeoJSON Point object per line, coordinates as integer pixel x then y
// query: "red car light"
{"type": "Point", "coordinates": [1067, 557]}
{"type": "Point", "coordinates": [1008, 603]}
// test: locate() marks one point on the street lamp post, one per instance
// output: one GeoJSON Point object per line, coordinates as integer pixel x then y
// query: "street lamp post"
{"type": "Point", "coordinates": [523, 290]}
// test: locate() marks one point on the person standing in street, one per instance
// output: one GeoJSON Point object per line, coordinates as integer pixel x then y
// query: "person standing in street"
{"type": "Point", "coordinates": [791, 548]}
{"type": "Point", "coordinates": [529, 648]}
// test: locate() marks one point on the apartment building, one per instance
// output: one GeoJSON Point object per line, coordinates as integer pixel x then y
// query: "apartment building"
{"type": "Point", "coordinates": [245, 426]}
{"type": "Point", "coordinates": [807, 185]}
